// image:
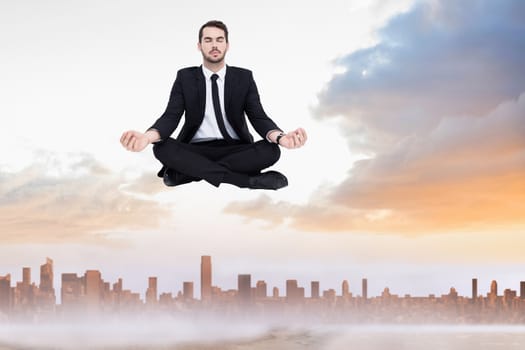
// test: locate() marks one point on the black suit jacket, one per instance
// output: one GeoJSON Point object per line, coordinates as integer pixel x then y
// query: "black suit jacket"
{"type": "Point", "coordinates": [188, 97]}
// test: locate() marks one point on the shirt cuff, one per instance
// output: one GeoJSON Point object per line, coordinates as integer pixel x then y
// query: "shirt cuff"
{"type": "Point", "coordinates": [268, 134]}
{"type": "Point", "coordinates": [158, 132]}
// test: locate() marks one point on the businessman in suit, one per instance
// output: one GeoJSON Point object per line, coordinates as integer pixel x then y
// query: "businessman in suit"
{"type": "Point", "coordinates": [214, 143]}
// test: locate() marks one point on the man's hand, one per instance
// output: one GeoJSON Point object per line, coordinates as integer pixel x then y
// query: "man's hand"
{"type": "Point", "coordinates": [293, 139]}
{"type": "Point", "coordinates": [136, 141]}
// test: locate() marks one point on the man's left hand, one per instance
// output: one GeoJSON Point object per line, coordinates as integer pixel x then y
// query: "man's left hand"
{"type": "Point", "coordinates": [293, 139]}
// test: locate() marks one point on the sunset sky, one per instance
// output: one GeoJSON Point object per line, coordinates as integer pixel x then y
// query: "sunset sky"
{"type": "Point", "coordinates": [413, 175]}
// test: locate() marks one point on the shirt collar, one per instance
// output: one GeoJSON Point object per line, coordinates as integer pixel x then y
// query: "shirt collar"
{"type": "Point", "coordinates": [208, 73]}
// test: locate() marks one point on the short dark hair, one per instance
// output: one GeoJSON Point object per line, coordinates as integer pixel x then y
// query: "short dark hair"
{"type": "Point", "coordinates": [216, 24]}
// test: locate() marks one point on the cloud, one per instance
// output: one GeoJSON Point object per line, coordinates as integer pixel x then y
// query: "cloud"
{"type": "Point", "coordinates": [439, 108]}
{"type": "Point", "coordinates": [72, 198]}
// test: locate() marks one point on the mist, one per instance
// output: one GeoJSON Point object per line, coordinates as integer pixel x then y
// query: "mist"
{"type": "Point", "coordinates": [185, 334]}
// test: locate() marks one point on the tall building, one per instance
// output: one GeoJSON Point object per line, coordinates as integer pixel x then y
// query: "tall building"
{"type": "Point", "coordinates": [187, 290]}
{"type": "Point", "coordinates": [244, 283]}
{"type": "Point", "coordinates": [293, 292]}
{"type": "Point", "coordinates": [205, 278]}
{"type": "Point", "coordinates": [93, 289]}
{"type": "Point", "coordinates": [46, 277]}
{"type": "Point", "coordinates": [46, 294]}
{"type": "Point", "coordinates": [26, 291]}
{"type": "Point", "coordinates": [345, 289]}
{"type": "Point", "coordinates": [5, 294]}
{"type": "Point", "coordinates": [151, 292]}
{"type": "Point", "coordinates": [261, 290]}
{"type": "Point", "coordinates": [494, 288]}
{"type": "Point", "coordinates": [275, 292]}
{"type": "Point", "coordinates": [314, 292]}
{"type": "Point", "coordinates": [522, 290]}
{"type": "Point", "coordinates": [71, 290]}
{"type": "Point", "coordinates": [26, 276]}
{"type": "Point", "coordinates": [364, 287]}
{"type": "Point", "coordinates": [474, 289]}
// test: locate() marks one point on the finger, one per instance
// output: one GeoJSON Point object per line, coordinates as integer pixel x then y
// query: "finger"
{"type": "Point", "coordinates": [123, 138]}
{"type": "Point", "coordinates": [302, 135]}
{"type": "Point", "coordinates": [300, 139]}
{"type": "Point", "coordinates": [127, 142]}
{"type": "Point", "coordinates": [133, 144]}
{"type": "Point", "coordinates": [297, 141]}
{"type": "Point", "coordinates": [127, 138]}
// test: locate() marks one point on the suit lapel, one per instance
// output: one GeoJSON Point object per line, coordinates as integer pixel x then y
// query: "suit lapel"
{"type": "Point", "coordinates": [201, 88]}
{"type": "Point", "coordinates": [229, 83]}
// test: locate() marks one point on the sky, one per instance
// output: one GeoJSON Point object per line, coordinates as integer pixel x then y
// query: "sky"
{"type": "Point", "coordinates": [413, 175]}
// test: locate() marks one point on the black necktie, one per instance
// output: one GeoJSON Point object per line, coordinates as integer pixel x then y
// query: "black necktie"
{"type": "Point", "coordinates": [217, 107]}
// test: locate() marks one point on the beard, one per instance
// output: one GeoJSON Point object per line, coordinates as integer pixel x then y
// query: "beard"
{"type": "Point", "coordinates": [211, 59]}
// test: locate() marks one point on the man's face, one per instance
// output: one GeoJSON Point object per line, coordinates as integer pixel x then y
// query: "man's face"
{"type": "Point", "coordinates": [213, 44]}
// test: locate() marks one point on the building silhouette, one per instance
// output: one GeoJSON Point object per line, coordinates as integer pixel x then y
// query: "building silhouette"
{"type": "Point", "coordinates": [151, 292]}
{"type": "Point", "coordinates": [188, 290]}
{"type": "Point", "coordinates": [46, 296]}
{"type": "Point", "coordinates": [261, 290]}
{"type": "Point", "coordinates": [314, 289]}
{"type": "Point", "coordinates": [206, 278]}
{"type": "Point", "coordinates": [244, 286]}
{"type": "Point", "coordinates": [5, 294]}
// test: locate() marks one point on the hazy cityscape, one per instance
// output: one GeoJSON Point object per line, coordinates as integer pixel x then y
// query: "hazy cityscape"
{"type": "Point", "coordinates": [88, 296]}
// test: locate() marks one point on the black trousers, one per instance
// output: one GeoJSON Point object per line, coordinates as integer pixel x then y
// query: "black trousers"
{"type": "Point", "coordinates": [216, 162]}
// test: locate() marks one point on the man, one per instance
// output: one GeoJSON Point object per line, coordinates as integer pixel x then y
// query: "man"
{"type": "Point", "coordinates": [214, 143]}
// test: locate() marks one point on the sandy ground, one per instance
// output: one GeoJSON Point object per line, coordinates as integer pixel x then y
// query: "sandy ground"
{"type": "Point", "coordinates": [338, 338]}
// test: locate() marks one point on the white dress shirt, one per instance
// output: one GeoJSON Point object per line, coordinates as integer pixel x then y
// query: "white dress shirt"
{"type": "Point", "coordinates": [209, 130]}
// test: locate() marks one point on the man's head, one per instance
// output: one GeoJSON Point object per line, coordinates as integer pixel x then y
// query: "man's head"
{"type": "Point", "coordinates": [213, 41]}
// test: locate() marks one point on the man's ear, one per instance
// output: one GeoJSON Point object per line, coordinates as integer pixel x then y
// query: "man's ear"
{"type": "Point", "coordinates": [199, 46]}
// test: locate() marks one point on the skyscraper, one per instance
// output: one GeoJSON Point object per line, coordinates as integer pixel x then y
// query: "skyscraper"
{"type": "Point", "coordinates": [205, 278]}
{"type": "Point", "coordinates": [261, 290]}
{"type": "Point", "coordinates": [244, 283]}
{"type": "Point", "coordinates": [5, 293]}
{"type": "Point", "coordinates": [46, 277]}
{"type": "Point", "coordinates": [25, 289]}
{"type": "Point", "coordinates": [187, 290]}
{"type": "Point", "coordinates": [26, 276]}
{"type": "Point", "coordinates": [474, 289]}
{"type": "Point", "coordinates": [522, 290]}
{"type": "Point", "coordinates": [364, 287]}
{"type": "Point", "coordinates": [93, 289]}
{"type": "Point", "coordinates": [46, 295]}
{"type": "Point", "coordinates": [293, 292]}
{"type": "Point", "coordinates": [314, 289]}
{"type": "Point", "coordinates": [494, 288]}
{"type": "Point", "coordinates": [151, 292]}
{"type": "Point", "coordinates": [71, 291]}
{"type": "Point", "coordinates": [345, 289]}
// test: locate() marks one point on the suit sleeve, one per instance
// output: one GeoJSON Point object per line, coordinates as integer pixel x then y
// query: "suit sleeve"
{"type": "Point", "coordinates": [255, 112]}
{"type": "Point", "coordinates": [169, 120]}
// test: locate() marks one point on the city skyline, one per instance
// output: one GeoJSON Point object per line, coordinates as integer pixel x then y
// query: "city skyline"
{"type": "Point", "coordinates": [244, 286]}
{"type": "Point", "coordinates": [88, 296]}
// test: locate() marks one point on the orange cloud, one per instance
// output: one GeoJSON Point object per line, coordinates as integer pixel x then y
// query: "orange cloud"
{"type": "Point", "coordinates": [471, 179]}
{"type": "Point", "coordinates": [78, 205]}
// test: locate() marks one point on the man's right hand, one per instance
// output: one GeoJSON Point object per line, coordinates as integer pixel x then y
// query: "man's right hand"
{"type": "Point", "coordinates": [136, 141]}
